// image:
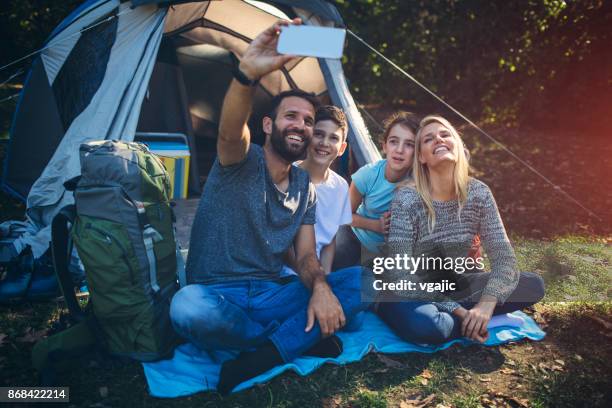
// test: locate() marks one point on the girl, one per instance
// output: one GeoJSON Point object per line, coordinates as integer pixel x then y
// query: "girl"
{"type": "Point", "coordinates": [372, 188]}
{"type": "Point", "coordinates": [448, 208]}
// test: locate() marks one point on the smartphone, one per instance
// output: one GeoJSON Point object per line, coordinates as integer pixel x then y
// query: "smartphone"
{"type": "Point", "coordinates": [311, 41]}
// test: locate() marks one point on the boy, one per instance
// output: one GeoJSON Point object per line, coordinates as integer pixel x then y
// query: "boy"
{"type": "Point", "coordinates": [333, 204]}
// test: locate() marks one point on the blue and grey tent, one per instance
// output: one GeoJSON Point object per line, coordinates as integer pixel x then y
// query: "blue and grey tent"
{"type": "Point", "coordinates": [114, 68]}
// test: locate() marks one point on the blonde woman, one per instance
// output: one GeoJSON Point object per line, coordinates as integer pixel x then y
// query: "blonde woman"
{"type": "Point", "coordinates": [445, 209]}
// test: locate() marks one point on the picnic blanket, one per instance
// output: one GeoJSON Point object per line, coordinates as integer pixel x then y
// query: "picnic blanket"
{"type": "Point", "coordinates": [192, 370]}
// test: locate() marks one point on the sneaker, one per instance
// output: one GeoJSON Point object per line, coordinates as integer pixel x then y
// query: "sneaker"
{"type": "Point", "coordinates": [14, 286]}
{"type": "Point", "coordinates": [43, 287]}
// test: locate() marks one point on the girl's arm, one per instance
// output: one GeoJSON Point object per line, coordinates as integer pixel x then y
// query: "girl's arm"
{"type": "Point", "coordinates": [361, 221]}
{"type": "Point", "coordinates": [327, 256]}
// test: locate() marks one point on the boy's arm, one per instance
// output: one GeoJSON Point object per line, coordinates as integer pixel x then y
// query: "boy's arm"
{"type": "Point", "coordinates": [361, 221]}
{"type": "Point", "coordinates": [327, 256]}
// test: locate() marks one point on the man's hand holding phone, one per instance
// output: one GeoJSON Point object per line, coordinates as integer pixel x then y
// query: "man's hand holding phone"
{"type": "Point", "coordinates": [261, 56]}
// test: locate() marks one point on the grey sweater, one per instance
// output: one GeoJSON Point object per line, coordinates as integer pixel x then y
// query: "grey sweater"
{"type": "Point", "coordinates": [409, 231]}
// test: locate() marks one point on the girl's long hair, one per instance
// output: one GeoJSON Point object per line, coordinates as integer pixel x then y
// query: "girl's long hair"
{"type": "Point", "coordinates": [421, 172]}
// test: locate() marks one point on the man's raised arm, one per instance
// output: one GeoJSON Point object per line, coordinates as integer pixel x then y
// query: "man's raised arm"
{"type": "Point", "coordinates": [259, 59]}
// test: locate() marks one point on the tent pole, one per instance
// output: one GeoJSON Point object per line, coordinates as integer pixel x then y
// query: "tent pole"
{"type": "Point", "coordinates": [194, 173]}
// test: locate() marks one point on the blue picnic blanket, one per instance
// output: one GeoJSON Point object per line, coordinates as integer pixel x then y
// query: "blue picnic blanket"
{"type": "Point", "coordinates": [192, 370]}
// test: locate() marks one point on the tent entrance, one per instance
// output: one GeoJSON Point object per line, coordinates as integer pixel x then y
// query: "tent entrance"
{"type": "Point", "coordinates": [185, 95]}
{"type": "Point", "coordinates": [193, 71]}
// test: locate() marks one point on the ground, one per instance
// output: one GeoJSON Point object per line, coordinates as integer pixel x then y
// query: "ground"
{"type": "Point", "coordinates": [577, 164]}
{"type": "Point", "coordinates": [569, 368]}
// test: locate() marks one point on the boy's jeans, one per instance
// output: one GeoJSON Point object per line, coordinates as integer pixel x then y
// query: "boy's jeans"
{"type": "Point", "coordinates": [244, 314]}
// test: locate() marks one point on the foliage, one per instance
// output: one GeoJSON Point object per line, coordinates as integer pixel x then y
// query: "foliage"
{"type": "Point", "coordinates": [501, 61]}
{"type": "Point", "coordinates": [24, 26]}
{"type": "Point", "coordinates": [533, 60]}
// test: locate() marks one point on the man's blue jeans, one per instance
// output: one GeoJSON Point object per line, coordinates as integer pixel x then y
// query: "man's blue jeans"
{"type": "Point", "coordinates": [244, 314]}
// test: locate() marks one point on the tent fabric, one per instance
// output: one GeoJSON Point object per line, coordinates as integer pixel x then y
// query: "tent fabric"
{"type": "Point", "coordinates": [112, 114]}
{"type": "Point", "coordinates": [206, 94]}
{"type": "Point", "coordinates": [40, 132]}
{"type": "Point", "coordinates": [231, 25]}
{"type": "Point", "coordinates": [91, 80]}
{"type": "Point", "coordinates": [140, 32]}
{"type": "Point", "coordinates": [58, 47]}
{"type": "Point", "coordinates": [320, 8]}
{"type": "Point", "coordinates": [362, 146]}
{"type": "Point", "coordinates": [83, 71]}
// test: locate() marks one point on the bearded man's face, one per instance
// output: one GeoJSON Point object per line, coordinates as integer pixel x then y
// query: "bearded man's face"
{"type": "Point", "coordinates": [292, 128]}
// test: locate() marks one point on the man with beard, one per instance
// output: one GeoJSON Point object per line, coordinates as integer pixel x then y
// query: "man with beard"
{"type": "Point", "coordinates": [255, 205]}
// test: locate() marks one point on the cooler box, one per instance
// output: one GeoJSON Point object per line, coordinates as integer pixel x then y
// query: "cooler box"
{"type": "Point", "coordinates": [173, 150]}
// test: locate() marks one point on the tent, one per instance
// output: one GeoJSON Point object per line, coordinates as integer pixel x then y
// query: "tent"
{"type": "Point", "coordinates": [114, 68]}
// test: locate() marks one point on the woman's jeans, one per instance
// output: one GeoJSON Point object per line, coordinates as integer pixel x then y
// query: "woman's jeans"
{"type": "Point", "coordinates": [422, 322]}
{"type": "Point", "coordinates": [244, 314]}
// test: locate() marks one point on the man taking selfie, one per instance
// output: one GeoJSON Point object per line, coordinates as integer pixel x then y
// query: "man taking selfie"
{"type": "Point", "coordinates": [255, 205]}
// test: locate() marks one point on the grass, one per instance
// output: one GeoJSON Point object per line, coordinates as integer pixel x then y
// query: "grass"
{"type": "Point", "coordinates": [466, 401]}
{"type": "Point", "coordinates": [569, 368]}
{"type": "Point", "coordinates": [574, 268]}
{"type": "Point", "coordinates": [369, 399]}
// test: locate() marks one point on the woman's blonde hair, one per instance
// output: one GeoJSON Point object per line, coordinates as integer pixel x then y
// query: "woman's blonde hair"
{"type": "Point", "coordinates": [420, 172]}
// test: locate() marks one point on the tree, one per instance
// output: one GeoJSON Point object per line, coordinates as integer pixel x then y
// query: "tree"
{"type": "Point", "coordinates": [498, 61]}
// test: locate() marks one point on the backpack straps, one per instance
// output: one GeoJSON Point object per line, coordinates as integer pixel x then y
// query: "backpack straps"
{"type": "Point", "coordinates": [180, 267]}
{"type": "Point", "coordinates": [52, 353]}
{"type": "Point", "coordinates": [61, 248]}
{"type": "Point", "coordinates": [180, 262]}
{"type": "Point", "coordinates": [150, 236]}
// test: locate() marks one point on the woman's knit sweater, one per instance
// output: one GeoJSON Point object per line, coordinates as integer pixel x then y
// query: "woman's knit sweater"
{"type": "Point", "coordinates": [409, 231]}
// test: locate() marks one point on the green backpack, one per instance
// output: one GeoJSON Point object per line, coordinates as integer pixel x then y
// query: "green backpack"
{"type": "Point", "coordinates": [123, 231]}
